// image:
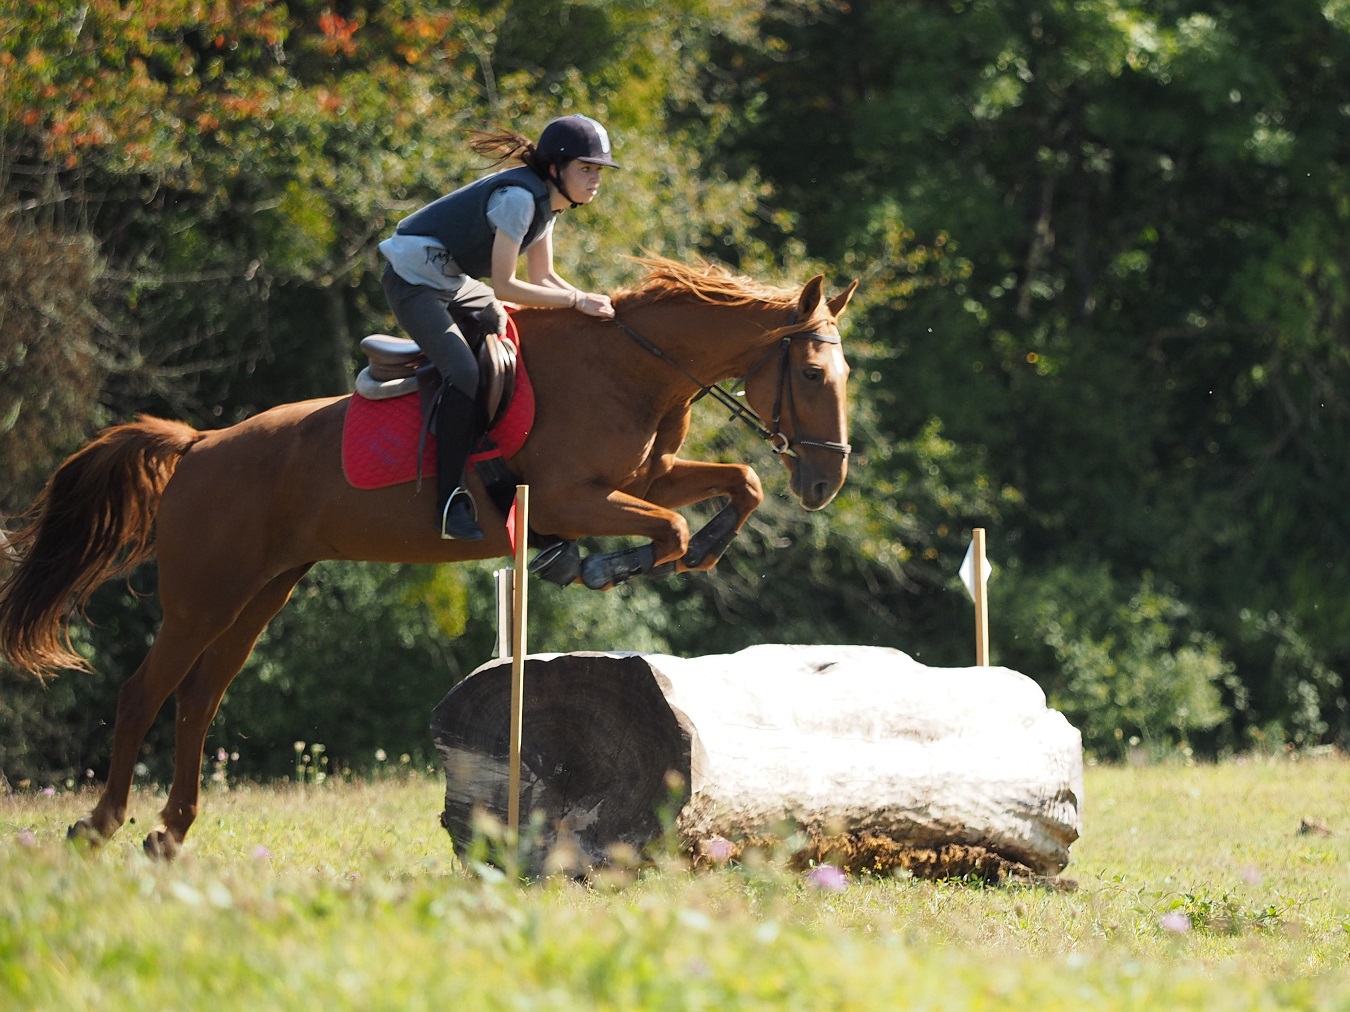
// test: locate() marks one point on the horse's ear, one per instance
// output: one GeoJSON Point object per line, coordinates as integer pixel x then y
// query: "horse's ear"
{"type": "Point", "coordinates": [809, 301]}
{"type": "Point", "coordinates": [840, 302]}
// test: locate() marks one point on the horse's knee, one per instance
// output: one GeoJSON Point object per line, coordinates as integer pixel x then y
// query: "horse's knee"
{"type": "Point", "coordinates": [751, 492]}
{"type": "Point", "coordinates": [673, 542]}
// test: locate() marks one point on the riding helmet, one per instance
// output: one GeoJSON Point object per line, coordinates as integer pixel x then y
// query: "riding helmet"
{"type": "Point", "coordinates": [575, 137]}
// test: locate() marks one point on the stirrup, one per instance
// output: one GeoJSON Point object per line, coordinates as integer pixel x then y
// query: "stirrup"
{"type": "Point", "coordinates": [459, 518]}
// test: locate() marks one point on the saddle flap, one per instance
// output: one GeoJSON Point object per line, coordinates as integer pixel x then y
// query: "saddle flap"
{"type": "Point", "coordinates": [496, 376]}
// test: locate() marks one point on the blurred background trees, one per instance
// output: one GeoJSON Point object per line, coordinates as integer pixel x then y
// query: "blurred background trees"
{"type": "Point", "coordinates": [1103, 314]}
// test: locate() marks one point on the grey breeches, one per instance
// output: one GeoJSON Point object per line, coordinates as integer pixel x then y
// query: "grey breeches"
{"type": "Point", "coordinates": [445, 325]}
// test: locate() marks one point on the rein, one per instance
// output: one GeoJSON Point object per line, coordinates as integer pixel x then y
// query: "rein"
{"type": "Point", "coordinates": [774, 436]}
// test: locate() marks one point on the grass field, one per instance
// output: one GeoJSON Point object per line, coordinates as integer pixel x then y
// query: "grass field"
{"type": "Point", "coordinates": [1196, 889]}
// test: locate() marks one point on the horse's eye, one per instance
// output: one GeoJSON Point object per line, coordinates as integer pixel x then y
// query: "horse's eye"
{"type": "Point", "coordinates": [813, 373]}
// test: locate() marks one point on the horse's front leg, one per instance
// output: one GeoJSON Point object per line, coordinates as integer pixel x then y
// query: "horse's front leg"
{"type": "Point", "coordinates": [574, 512]}
{"type": "Point", "coordinates": [691, 481]}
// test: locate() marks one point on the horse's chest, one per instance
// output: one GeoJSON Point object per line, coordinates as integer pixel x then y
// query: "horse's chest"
{"type": "Point", "coordinates": [649, 462]}
{"type": "Point", "coordinates": [653, 458]}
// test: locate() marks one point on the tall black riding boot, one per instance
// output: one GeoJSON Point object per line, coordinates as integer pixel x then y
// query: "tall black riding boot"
{"type": "Point", "coordinates": [455, 509]}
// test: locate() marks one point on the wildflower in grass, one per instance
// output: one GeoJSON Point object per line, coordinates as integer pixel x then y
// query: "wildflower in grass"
{"type": "Point", "coordinates": [1176, 922]}
{"type": "Point", "coordinates": [27, 838]}
{"type": "Point", "coordinates": [320, 772]}
{"type": "Point", "coordinates": [49, 791]}
{"type": "Point", "coordinates": [717, 849]}
{"type": "Point", "coordinates": [695, 920]}
{"type": "Point", "coordinates": [1251, 875]}
{"type": "Point", "coordinates": [828, 878]}
{"type": "Point", "coordinates": [767, 933]}
{"type": "Point", "coordinates": [220, 774]}
{"type": "Point", "coordinates": [261, 853]}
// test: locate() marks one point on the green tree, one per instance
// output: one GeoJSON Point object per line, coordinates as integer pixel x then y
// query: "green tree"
{"type": "Point", "coordinates": [1146, 340]}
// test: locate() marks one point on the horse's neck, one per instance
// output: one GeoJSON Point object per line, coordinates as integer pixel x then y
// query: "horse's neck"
{"type": "Point", "coordinates": [701, 344]}
{"type": "Point", "coordinates": [712, 342]}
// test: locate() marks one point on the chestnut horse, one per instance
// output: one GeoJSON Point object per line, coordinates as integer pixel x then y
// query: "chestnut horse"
{"type": "Point", "coordinates": [237, 516]}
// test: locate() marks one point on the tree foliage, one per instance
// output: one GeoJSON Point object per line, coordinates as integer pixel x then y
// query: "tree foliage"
{"type": "Point", "coordinates": [1146, 339]}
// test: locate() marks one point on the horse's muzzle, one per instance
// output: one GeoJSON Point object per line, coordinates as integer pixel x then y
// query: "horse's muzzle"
{"type": "Point", "coordinates": [816, 487]}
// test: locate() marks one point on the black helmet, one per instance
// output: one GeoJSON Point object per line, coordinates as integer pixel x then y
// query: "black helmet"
{"type": "Point", "coordinates": [578, 137]}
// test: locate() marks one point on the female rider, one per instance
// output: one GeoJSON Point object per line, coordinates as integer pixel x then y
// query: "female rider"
{"type": "Point", "coordinates": [437, 253]}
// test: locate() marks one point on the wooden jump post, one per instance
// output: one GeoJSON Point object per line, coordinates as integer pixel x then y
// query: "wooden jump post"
{"type": "Point", "coordinates": [975, 575]}
{"type": "Point", "coordinates": [981, 601]}
{"type": "Point", "coordinates": [520, 576]}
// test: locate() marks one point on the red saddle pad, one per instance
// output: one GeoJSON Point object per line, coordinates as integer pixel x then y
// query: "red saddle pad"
{"type": "Point", "coordinates": [380, 438]}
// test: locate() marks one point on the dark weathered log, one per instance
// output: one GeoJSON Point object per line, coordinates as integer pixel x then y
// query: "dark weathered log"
{"type": "Point", "coordinates": [596, 743]}
{"type": "Point", "coordinates": [859, 745]}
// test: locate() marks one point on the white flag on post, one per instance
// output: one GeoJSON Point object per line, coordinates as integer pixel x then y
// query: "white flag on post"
{"type": "Point", "coordinates": [967, 570]}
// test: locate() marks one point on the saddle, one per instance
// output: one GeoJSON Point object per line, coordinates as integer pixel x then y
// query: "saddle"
{"type": "Point", "coordinates": [398, 367]}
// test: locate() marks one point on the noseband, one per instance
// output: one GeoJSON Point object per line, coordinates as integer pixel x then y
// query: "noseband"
{"type": "Point", "coordinates": [773, 435]}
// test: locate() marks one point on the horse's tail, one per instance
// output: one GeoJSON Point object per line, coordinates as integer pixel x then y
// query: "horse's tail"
{"type": "Point", "coordinates": [93, 521]}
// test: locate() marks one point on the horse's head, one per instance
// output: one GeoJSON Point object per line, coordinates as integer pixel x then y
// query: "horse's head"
{"type": "Point", "coordinates": [803, 389]}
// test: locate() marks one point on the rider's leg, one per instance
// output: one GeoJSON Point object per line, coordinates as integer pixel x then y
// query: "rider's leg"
{"type": "Point", "coordinates": [429, 317]}
{"type": "Point", "coordinates": [455, 431]}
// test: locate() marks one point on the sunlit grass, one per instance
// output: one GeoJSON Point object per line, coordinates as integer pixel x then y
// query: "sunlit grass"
{"type": "Point", "coordinates": [1195, 889]}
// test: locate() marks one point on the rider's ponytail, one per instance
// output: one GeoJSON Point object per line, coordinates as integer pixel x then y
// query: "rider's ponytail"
{"type": "Point", "coordinates": [507, 145]}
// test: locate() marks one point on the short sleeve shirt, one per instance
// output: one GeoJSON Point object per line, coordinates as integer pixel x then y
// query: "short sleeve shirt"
{"type": "Point", "coordinates": [510, 211]}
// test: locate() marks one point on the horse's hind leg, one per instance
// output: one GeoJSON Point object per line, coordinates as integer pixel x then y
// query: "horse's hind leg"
{"type": "Point", "coordinates": [198, 699]}
{"type": "Point", "coordinates": [138, 703]}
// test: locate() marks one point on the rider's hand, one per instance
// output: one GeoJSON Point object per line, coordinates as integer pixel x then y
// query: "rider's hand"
{"type": "Point", "coordinates": [493, 318]}
{"type": "Point", "coordinates": [594, 304]}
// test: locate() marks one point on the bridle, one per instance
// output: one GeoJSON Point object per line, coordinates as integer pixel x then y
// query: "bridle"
{"type": "Point", "coordinates": [772, 434]}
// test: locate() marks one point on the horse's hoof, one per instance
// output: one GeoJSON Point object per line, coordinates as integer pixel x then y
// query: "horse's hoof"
{"type": "Point", "coordinates": [161, 846]}
{"type": "Point", "coordinates": [600, 572]}
{"type": "Point", "coordinates": [84, 834]}
{"type": "Point", "coordinates": [559, 563]}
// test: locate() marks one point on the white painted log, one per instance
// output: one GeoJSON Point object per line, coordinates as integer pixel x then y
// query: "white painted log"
{"type": "Point", "coordinates": [834, 740]}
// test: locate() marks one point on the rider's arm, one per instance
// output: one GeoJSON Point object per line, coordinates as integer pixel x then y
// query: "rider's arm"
{"type": "Point", "coordinates": [539, 264]}
{"type": "Point", "coordinates": [546, 288]}
{"type": "Point", "coordinates": [509, 288]}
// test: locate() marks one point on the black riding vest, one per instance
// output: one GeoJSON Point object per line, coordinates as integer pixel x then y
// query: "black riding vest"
{"type": "Point", "coordinates": [458, 221]}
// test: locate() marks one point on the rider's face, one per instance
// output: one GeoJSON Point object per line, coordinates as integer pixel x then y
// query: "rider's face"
{"type": "Point", "coordinates": [580, 180]}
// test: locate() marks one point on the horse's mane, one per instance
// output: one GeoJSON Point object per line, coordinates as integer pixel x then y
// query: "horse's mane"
{"type": "Point", "coordinates": [668, 279]}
